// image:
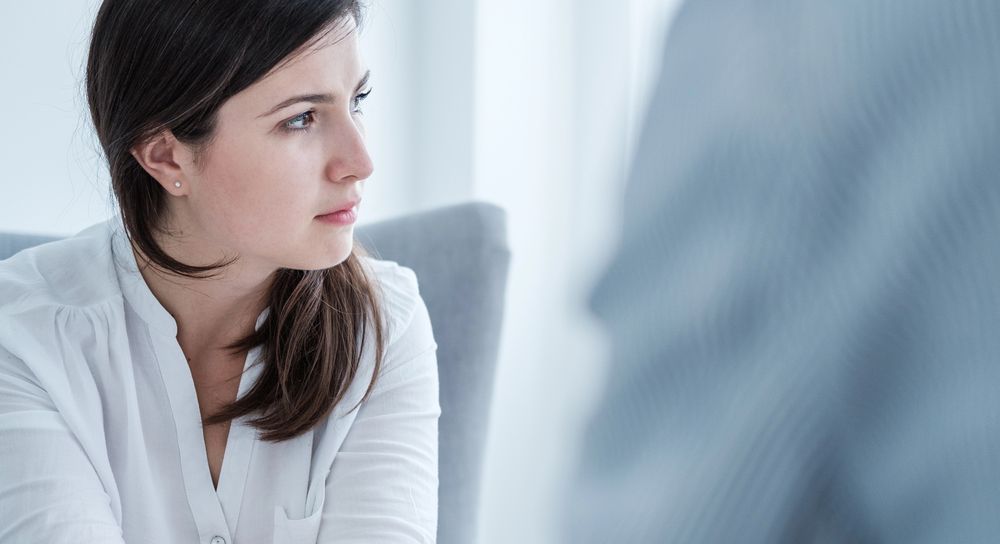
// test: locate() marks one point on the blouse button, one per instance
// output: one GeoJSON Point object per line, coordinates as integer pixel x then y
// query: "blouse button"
{"type": "Point", "coordinates": [218, 540]}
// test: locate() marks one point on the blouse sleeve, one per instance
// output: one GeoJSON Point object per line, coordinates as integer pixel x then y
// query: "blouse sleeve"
{"type": "Point", "coordinates": [49, 490]}
{"type": "Point", "coordinates": [383, 484]}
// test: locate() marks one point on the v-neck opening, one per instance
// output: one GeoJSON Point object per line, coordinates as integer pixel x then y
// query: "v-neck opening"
{"type": "Point", "coordinates": [217, 506]}
{"type": "Point", "coordinates": [237, 451]}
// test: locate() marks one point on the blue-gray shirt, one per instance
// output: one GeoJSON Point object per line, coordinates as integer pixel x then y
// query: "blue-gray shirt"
{"type": "Point", "coordinates": [805, 307]}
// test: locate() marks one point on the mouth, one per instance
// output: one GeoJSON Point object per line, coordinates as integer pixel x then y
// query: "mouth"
{"type": "Point", "coordinates": [345, 207]}
{"type": "Point", "coordinates": [344, 214]}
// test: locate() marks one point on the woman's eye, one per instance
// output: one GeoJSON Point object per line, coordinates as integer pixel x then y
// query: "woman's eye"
{"type": "Point", "coordinates": [305, 120]}
{"type": "Point", "coordinates": [300, 122]}
{"type": "Point", "coordinates": [358, 100]}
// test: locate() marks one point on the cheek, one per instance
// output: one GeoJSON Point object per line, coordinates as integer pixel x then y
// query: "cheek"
{"type": "Point", "coordinates": [257, 193]}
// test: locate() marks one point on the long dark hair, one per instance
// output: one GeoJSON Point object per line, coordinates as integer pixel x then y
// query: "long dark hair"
{"type": "Point", "coordinates": [156, 65]}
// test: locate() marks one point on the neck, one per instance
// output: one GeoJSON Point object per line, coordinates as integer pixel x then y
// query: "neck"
{"type": "Point", "coordinates": [212, 312]}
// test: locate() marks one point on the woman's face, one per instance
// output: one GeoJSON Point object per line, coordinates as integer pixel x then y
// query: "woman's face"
{"type": "Point", "coordinates": [286, 150]}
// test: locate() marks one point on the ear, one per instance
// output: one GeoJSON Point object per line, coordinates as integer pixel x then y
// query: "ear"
{"type": "Point", "coordinates": [163, 157]}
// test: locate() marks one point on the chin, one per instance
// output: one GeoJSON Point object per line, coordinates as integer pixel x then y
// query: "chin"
{"type": "Point", "coordinates": [328, 259]}
{"type": "Point", "coordinates": [320, 252]}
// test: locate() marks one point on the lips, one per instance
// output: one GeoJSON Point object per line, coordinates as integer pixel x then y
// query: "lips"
{"type": "Point", "coordinates": [343, 207]}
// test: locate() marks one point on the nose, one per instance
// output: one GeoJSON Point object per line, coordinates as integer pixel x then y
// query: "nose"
{"type": "Point", "coordinates": [349, 160]}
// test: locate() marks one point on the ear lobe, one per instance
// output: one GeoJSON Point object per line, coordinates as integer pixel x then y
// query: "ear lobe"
{"type": "Point", "coordinates": [158, 157]}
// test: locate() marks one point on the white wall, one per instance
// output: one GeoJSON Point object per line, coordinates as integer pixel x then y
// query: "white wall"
{"type": "Point", "coordinates": [559, 86]}
{"type": "Point", "coordinates": [524, 150]}
{"type": "Point", "coordinates": [51, 180]}
{"type": "Point", "coordinates": [420, 116]}
{"type": "Point", "coordinates": [531, 104]}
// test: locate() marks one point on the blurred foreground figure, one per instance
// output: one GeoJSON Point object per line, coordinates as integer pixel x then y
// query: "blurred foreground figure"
{"type": "Point", "coordinates": [805, 307]}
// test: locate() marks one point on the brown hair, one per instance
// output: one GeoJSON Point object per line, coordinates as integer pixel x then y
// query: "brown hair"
{"type": "Point", "coordinates": [170, 65]}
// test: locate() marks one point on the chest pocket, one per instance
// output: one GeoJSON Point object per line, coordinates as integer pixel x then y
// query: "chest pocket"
{"type": "Point", "coordinates": [299, 531]}
{"type": "Point", "coordinates": [296, 531]}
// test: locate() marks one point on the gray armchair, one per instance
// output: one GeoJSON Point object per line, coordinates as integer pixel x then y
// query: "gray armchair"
{"type": "Point", "coordinates": [460, 256]}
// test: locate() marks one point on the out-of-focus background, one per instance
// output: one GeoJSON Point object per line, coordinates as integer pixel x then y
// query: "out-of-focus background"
{"type": "Point", "coordinates": [529, 104]}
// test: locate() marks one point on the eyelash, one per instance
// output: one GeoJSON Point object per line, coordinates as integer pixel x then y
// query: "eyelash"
{"type": "Point", "coordinates": [312, 113]}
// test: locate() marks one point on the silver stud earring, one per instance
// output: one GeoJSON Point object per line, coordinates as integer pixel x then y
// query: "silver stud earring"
{"type": "Point", "coordinates": [177, 184]}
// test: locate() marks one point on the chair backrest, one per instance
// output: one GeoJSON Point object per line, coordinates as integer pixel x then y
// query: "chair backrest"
{"type": "Point", "coordinates": [11, 243]}
{"type": "Point", "coordinates": [461, 258]}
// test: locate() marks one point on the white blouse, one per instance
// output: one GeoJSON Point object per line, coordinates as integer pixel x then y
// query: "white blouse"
{"type": "Point", "coordinates": [100, 429]}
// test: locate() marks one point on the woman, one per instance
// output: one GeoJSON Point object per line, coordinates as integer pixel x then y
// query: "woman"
{"type": "Point", "coordinates": [220, 363]}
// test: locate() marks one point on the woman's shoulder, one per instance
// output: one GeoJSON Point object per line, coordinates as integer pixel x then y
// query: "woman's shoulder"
{"type": "Point", "coordinates": [52, 295]}
{"type": "Point", "coordinates": [399, 279]}
{"type": "Point", "coordinates": [73, 272]}
{"type": "Point", "coordinates": [400, 291]}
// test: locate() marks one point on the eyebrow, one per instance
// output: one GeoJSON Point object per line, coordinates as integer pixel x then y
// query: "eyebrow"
{"type": "Point", "coordinates": [318, 98]}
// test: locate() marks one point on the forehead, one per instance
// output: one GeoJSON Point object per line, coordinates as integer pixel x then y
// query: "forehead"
{"type": "Point", "coordinates": [331, 64]}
